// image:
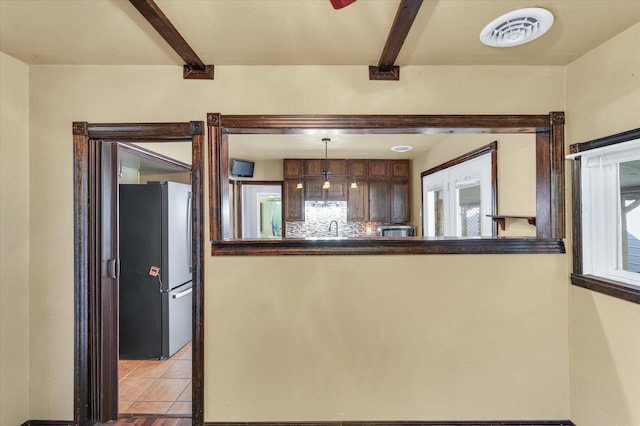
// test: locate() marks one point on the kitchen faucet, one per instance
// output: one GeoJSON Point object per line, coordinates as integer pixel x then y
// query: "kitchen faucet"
{"type": "Point", "coordinates": [331, 225]}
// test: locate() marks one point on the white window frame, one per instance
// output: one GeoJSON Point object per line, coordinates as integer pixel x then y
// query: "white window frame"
{"type": "Point", "coordinates": [476, 168]}
{"type": "Point", "coordinates": [601, 205]}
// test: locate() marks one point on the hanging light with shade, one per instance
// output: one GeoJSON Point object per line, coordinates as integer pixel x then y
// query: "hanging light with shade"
{"type": "Point", "coordinates": [326, 173]}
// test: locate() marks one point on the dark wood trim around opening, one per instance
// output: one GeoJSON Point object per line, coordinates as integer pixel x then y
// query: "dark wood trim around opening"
{"type": "Point", "coordinates": [578, 278]}
{"type": "Point", "coordinates": [91, 381]}
{"type": "Point", "coordinates": [549, 131]}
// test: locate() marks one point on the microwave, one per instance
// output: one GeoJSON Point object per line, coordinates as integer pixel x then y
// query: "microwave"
{"type": "Point", "coordinates": [396, 231]}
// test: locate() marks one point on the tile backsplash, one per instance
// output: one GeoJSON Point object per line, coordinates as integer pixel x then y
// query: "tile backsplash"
{"type": "Point", "coordinates": [318, 217]}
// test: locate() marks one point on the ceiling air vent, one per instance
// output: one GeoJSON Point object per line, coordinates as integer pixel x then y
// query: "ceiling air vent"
{"type": "Point", "coordinates": [517, 27]}
{"type": "Point", "coordinates": [401, 148]}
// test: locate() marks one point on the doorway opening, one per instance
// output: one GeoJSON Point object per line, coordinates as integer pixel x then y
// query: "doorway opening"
{"type": "Point", "coordinates": [155, 281]}
{"type": "Point", "coordinates": [258, 207]}
{"type": "Point", "coordinates": [98, 266]}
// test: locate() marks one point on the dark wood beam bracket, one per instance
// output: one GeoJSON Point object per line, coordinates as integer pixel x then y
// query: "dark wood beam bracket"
{"type": "Point", "coordinates": [386, 70]}
{"type": "Point", "coordinates": [189, 73]}
{"type": "Point", "coordinates": [194, 68]}
{"type": "Point", "coordinates": [377, 73]}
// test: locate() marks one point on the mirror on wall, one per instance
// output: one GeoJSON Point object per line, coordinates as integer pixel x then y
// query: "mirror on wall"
{"type": "Point", "coordinates": [368, 177]}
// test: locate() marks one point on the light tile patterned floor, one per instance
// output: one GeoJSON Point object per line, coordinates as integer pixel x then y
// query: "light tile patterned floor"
{"type": "Point", "coordinates": [156, 386]}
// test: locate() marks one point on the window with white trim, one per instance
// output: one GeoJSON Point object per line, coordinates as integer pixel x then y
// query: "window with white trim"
{"type": "Point", "coordinates": [611, 212]}
{"type": "Point", "coordinates": [457, 200]}
{"type": "Point", "coordinates": [606, 215]}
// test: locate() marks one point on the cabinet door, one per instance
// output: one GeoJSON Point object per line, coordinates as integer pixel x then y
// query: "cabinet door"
{"type": "Point", "coordinates": [293, 201]}
{"type": "Point", "coordinates": [358, 168]}
{"type": "Point", "coordinates": [313, 167]}
{"type": "Point", "coordinates": [337, 191]}
{"type": "Point", "coordinates": [379, 169]}
{"type": "Point", "coordinates": [358, 203]}
{"type": "Point", "coordinates": [400, 169]}
{"type": "Point", "coordinates": [292, 169]}
{"type": "Point", "coordinates": [338, 167]}
{"type": "Point", "coordinates": [379, 203]}
{"type": "Point", "coordinates": [400, 202]}
{"type": "Point", "coordinates": [313, 189]}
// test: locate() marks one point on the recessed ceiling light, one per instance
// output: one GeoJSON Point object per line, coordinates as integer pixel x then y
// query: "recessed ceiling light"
{"type": "Point", "coordinates": [401, 148]}
{"type": "Point", "coordinates": [517, 27]}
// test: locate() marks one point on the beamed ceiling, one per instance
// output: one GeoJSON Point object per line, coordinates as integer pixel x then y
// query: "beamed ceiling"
{"type": "Point", "coordinates": [298, 32]}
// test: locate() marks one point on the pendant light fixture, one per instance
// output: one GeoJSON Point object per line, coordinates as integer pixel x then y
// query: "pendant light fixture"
{"type": "Point", "coordinates": [326, 172]}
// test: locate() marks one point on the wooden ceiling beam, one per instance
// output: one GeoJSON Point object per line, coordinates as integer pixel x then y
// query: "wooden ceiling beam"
{"type": "Point", "coordinates": [194, 68]}
{"type": "Point", "coordinates": [386, 70]}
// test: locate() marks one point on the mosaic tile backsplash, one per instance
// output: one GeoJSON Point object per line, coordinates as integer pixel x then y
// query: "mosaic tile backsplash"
{"type": "Point", "coordinates": [318, 217]}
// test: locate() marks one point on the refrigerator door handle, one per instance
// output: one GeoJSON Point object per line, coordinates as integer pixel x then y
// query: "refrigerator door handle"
{"type": "Point", "coordinates": [189, 232]}
{"type": "Point", "coordinates": [183, 293]}
{"type": "Point", "coordinates": [113, 268]}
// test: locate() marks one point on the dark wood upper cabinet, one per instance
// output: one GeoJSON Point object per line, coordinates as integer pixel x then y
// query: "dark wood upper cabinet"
{"type": "Point", "coordinates": [292, 169]}
{"type": "Point", "coordinates": [385, 200]}
{"type": "Point", "coordinates": [379, 169]}
{"type": "Point", "coordinates": [399, 202]}
{"type": "Point", "coordinates": [338, 190]}
{"type": "Point", "coordinates": [400, 169]}
{"type": "Point", "coordinates": [313, 167]}
{"type": "Point", "coordinates": [316, 167]}
{"type": "Point", "coordinates": [379, 201]}
{"type": "Point", "coordinates": [358, 168]}
{"type": "Point", "coordinates": [293, 201]}
{"type": "Point", "coordinates": [358, 203]}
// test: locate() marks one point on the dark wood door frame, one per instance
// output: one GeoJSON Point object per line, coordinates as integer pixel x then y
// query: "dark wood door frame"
{"type": "Point", "coordinates": [94, 359]}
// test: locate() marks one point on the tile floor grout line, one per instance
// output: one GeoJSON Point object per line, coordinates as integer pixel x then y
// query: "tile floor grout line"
{"type": "Point", "coordinates": [158, 369]}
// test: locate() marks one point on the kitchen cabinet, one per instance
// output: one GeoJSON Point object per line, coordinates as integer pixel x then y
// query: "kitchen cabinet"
{"type": "Point", "coordinates": [388, 201]}
{"type": "Point", "coordinates": [337, 191]}
{"type": "Point", "coordinates": [358, 168]}
{"type": "Point", "coordinates": [400, 169]}
{"type": "Point", "coordinates": [314, 168]}
{"type": "Point", "coordinates": [293, 201]}
{"type": "Point", "coordinates": [379, 201]}
{"type": "Point", "coordinates": [292, 169]}
{"type": "Point", "coordinates": [382, 194]}
{"type": "Point", "coordinates": [399, 202]}
{"type": "Point", "coordinates": [358, 203]}
{"type": "Point", "coordinates": [380, 169]}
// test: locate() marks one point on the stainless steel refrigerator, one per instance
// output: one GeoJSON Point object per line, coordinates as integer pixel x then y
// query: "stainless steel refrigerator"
{"type": "Point", "coordinates": [155, 269]}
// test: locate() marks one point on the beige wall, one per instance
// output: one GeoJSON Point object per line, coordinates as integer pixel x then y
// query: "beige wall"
{"type": "Point", "coordinates": [411, 337]}
{"type": "Point", "coordinates": [14, 241]}
{"type": "Point", "coordinates": [317, 338]}
{"type": "Point", "coordinates": [603, 98]}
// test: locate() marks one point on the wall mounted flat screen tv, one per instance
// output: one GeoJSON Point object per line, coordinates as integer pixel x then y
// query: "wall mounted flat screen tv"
{"type": "Point", "coordinates": [241, 168]}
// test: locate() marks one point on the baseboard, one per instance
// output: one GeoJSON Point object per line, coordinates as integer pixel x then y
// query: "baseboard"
{"type": "Point", "coordinates": [406, 423]}
{"type": "Point", "coordinates": [356, 423]}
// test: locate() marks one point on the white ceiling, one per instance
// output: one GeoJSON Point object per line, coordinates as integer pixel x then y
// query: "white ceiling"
{"type": "Point", "coordinates": [274, 147]}
{"type": "Point", "coordinates": [298, 32]}
{"type": "Point", "coordinates": [301, 32]}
